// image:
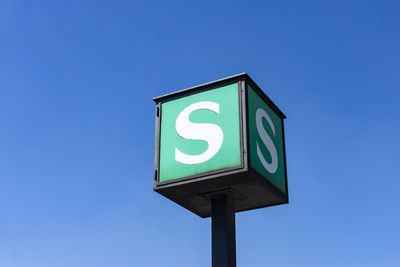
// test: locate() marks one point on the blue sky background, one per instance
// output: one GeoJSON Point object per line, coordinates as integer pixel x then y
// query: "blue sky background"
{"type": "Point", "coordinates": [77, 80]}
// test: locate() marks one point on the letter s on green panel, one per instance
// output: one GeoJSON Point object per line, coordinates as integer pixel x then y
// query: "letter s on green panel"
{"type": "Point", "coordinates": [211, 133]}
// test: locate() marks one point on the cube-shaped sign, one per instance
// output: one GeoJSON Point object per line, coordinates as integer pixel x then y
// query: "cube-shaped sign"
{"type": "Point", "coordinates": [224, 136]}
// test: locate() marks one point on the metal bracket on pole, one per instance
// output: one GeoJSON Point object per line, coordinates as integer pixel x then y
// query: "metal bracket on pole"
{"type": "Point", "coordinates": [223, 230]}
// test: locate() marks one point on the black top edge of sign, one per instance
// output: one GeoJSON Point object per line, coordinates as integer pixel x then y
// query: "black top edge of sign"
{"type": "Point", "coordinates": [232, 78]}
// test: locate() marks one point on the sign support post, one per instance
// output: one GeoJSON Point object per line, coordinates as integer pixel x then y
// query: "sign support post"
{"type": "Point", "coordinates": [223, 231]}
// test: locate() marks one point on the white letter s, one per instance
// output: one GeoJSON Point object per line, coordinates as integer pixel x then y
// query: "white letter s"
{"type": "Point", "coordinates": [273, 166]}
{"type": "Point", "coordinates": [208, 132]}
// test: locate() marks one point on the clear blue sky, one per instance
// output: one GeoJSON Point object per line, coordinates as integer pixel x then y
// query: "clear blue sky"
{"type": "Point", "coordinates": [77, 129]}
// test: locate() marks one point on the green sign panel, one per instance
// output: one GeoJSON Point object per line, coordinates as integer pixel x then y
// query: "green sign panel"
{"type": "Point", "coordinates": [226, 136]}
{"type": "Point", "coordinates": [266, 141]}
{"type": "Point", "coordinates": [200, 133]}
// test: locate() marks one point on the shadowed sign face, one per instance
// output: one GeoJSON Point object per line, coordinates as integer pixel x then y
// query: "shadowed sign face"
{"type": "Point", "coordinates": [200, 133]}
{"type": "Point", "coordinates": [266, 141]}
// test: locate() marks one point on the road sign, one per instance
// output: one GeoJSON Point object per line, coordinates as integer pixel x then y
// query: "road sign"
{"type": "Point", "coordinates": [225, 136]}
{"type": "Point", "coordinates": [200, 133]}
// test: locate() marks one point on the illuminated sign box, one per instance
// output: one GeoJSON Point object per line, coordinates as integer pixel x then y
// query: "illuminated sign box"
{"type": "Point", "coordinates": [225, 136]}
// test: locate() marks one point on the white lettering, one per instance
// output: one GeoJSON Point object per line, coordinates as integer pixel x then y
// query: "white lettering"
{"type": "Point", "coordinates": [208, 132]}
{"type": "Point", "coordinates": [273, 166]}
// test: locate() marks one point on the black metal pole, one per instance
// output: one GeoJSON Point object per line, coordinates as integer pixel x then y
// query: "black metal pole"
{"type": "Point", "coordinates": [223, 231]}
